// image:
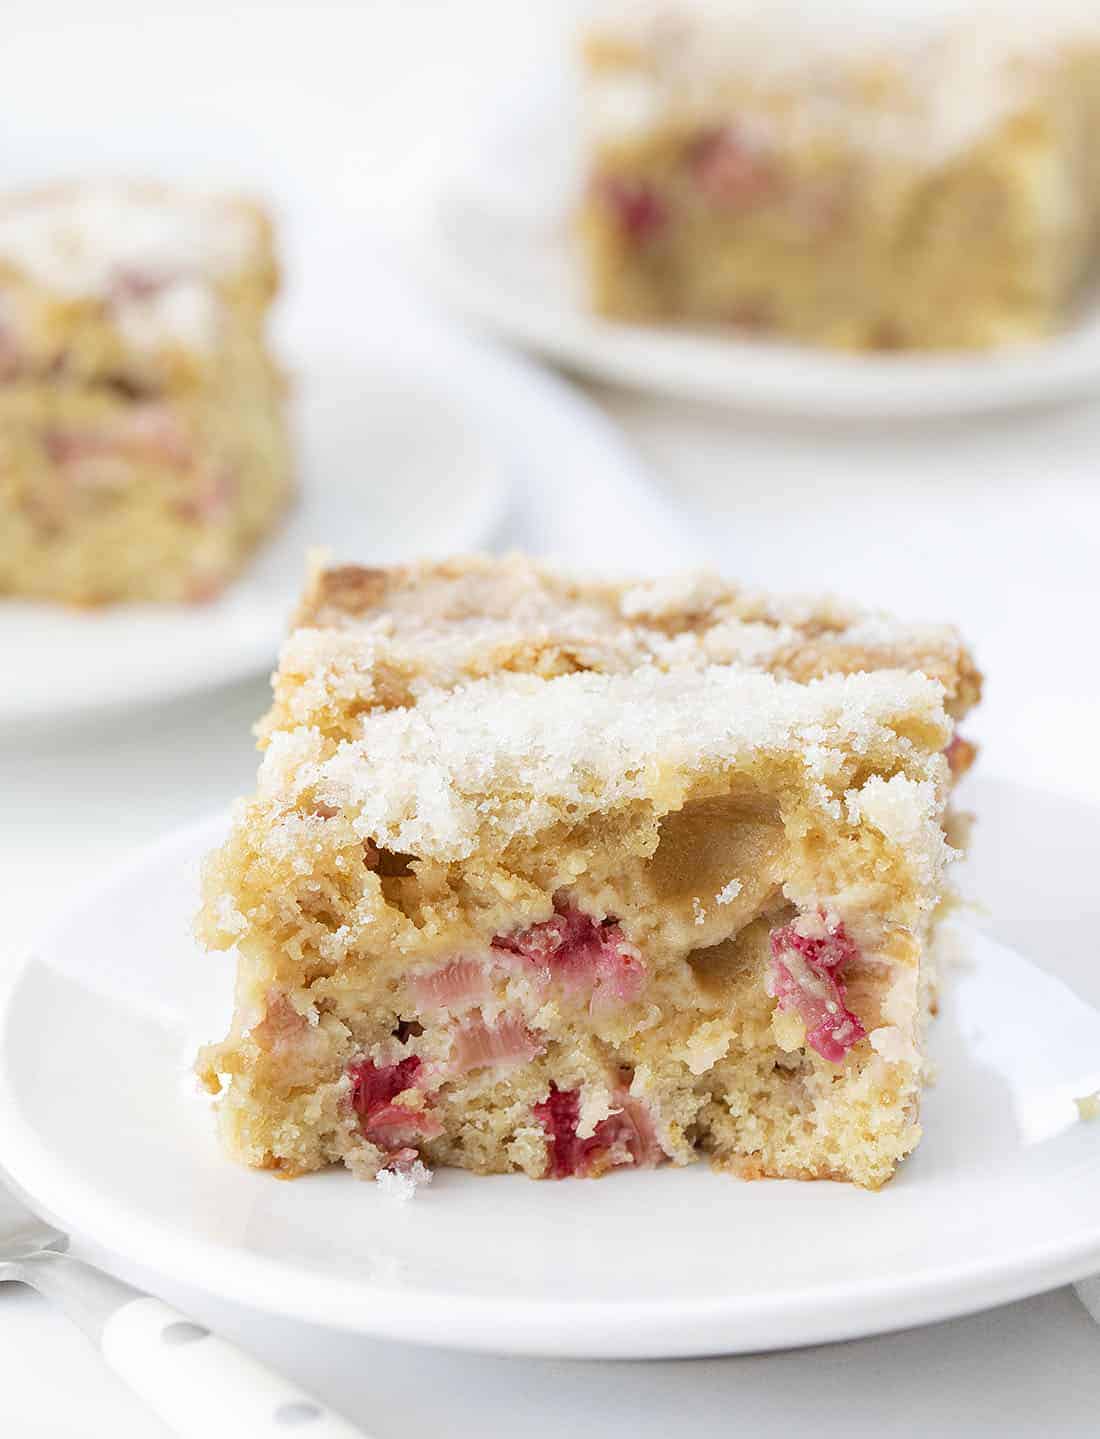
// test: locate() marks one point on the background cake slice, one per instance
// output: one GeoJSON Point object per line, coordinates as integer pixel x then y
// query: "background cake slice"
{"type": "Point", "coordinates": [143, 445]}
{"type": "Point", "coordinates": [923, 182]}
{"type": "Point", "coordinates": [533, 880]}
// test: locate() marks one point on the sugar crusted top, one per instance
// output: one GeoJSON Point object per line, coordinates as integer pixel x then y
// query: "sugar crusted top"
{"type": "Point", "coordinates": [154, 253]}
{"type": "Point", "coordinates": [371, 639]}
{"type": "Point", "coordinates": [917, 78]}
{"type": "Point", "coordinates": [78, 239]}
{"type": "Point", "coordinates": [510, 756]}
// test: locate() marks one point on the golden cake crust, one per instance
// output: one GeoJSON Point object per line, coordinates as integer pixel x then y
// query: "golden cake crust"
{"type": "Point", "coordinates": [144, 451]}
{"type": "Point", "coordinates": [373, 637]}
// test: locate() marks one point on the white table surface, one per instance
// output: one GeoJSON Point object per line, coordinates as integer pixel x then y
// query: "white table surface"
{"type": "Point", "coordinates": [994, 524]}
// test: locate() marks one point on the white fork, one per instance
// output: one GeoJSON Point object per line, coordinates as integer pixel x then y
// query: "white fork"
{"type": "Point", "coordinates": [200, 1385]}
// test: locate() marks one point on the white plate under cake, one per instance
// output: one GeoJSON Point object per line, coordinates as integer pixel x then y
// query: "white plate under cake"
{"type": "Point", "coordinates": [664, 1261]}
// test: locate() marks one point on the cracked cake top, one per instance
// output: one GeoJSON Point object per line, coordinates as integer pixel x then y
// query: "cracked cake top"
{"type": "Point", "coordinates": [369, 639]}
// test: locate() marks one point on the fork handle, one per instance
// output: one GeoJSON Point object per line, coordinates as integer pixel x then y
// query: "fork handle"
{"type": "Point", "coordinates": [201, 1386]}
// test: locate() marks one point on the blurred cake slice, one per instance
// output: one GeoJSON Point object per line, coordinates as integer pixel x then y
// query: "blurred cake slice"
{"type": "Point", "coordinates": [143, 444]}
{"type": "Point", "coordinates": [561, 876]}
{"type": "Point", "coordinates": [920, 183]}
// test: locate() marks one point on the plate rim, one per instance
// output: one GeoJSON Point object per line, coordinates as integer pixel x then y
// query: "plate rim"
{"type": "Point", "coordinates": [629, 1328]}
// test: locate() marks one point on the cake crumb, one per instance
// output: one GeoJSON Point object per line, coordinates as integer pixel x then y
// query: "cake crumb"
{"type": "Point", "coordinates": [698, 911]}
{"type": "Point", "coordinates": [400, 1185]}
{"type": "Point", "coordinates": [1088, 1106]}
{"type": "Point", "coordinates": [729, 893]}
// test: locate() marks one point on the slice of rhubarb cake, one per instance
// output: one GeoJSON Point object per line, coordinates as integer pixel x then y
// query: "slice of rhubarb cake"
{"type": "Point", "coordinates": [144, 444]}
{"type": "Point", "coordinates": [561, 876]}
{"type": "Point", "coordinates": [865, 177]}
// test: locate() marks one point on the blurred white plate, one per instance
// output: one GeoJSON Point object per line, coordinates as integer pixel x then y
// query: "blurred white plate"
{"type": "Point", "coordinates": [497, 246]}
{"type": "Point", "coordinates": [1001, 1200]}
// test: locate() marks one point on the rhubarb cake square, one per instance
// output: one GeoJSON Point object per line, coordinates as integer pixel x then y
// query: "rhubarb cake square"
{"type": "Point", "coordinates": [143, 444]}
{"type": "Point", "coordinates": [561, 875]}
{"type": "Point", "coordinates": [920, 182]}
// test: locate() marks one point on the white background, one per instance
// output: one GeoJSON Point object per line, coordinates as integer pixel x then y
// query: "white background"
{"type": "Point", "coordinates": [343, 113]}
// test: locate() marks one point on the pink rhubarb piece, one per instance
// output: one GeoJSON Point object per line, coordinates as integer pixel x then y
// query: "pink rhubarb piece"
{"type": "Point", "coordinates": [806, 976]}
{"type": "Point", "coordinates": [624, 1137]}
{"type": "Point", "coordinates": [455, 985]}
{"type": "Point", "coordinates": [477, 1045]}
{"type": "Point", "coordinates": [732, 170]}
{"type": "Point", "coordinates": [639, 210]}
{"type": "Point", "coordinates": [374, 1090]}
{"type": "Point", "coordinates": [582, 955]}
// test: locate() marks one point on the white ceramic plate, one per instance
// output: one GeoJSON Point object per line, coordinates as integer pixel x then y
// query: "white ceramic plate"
{"type": "Point", "coordinates": [497, 246]}
{"type": "Point", "coordinates": [99, 1123]}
